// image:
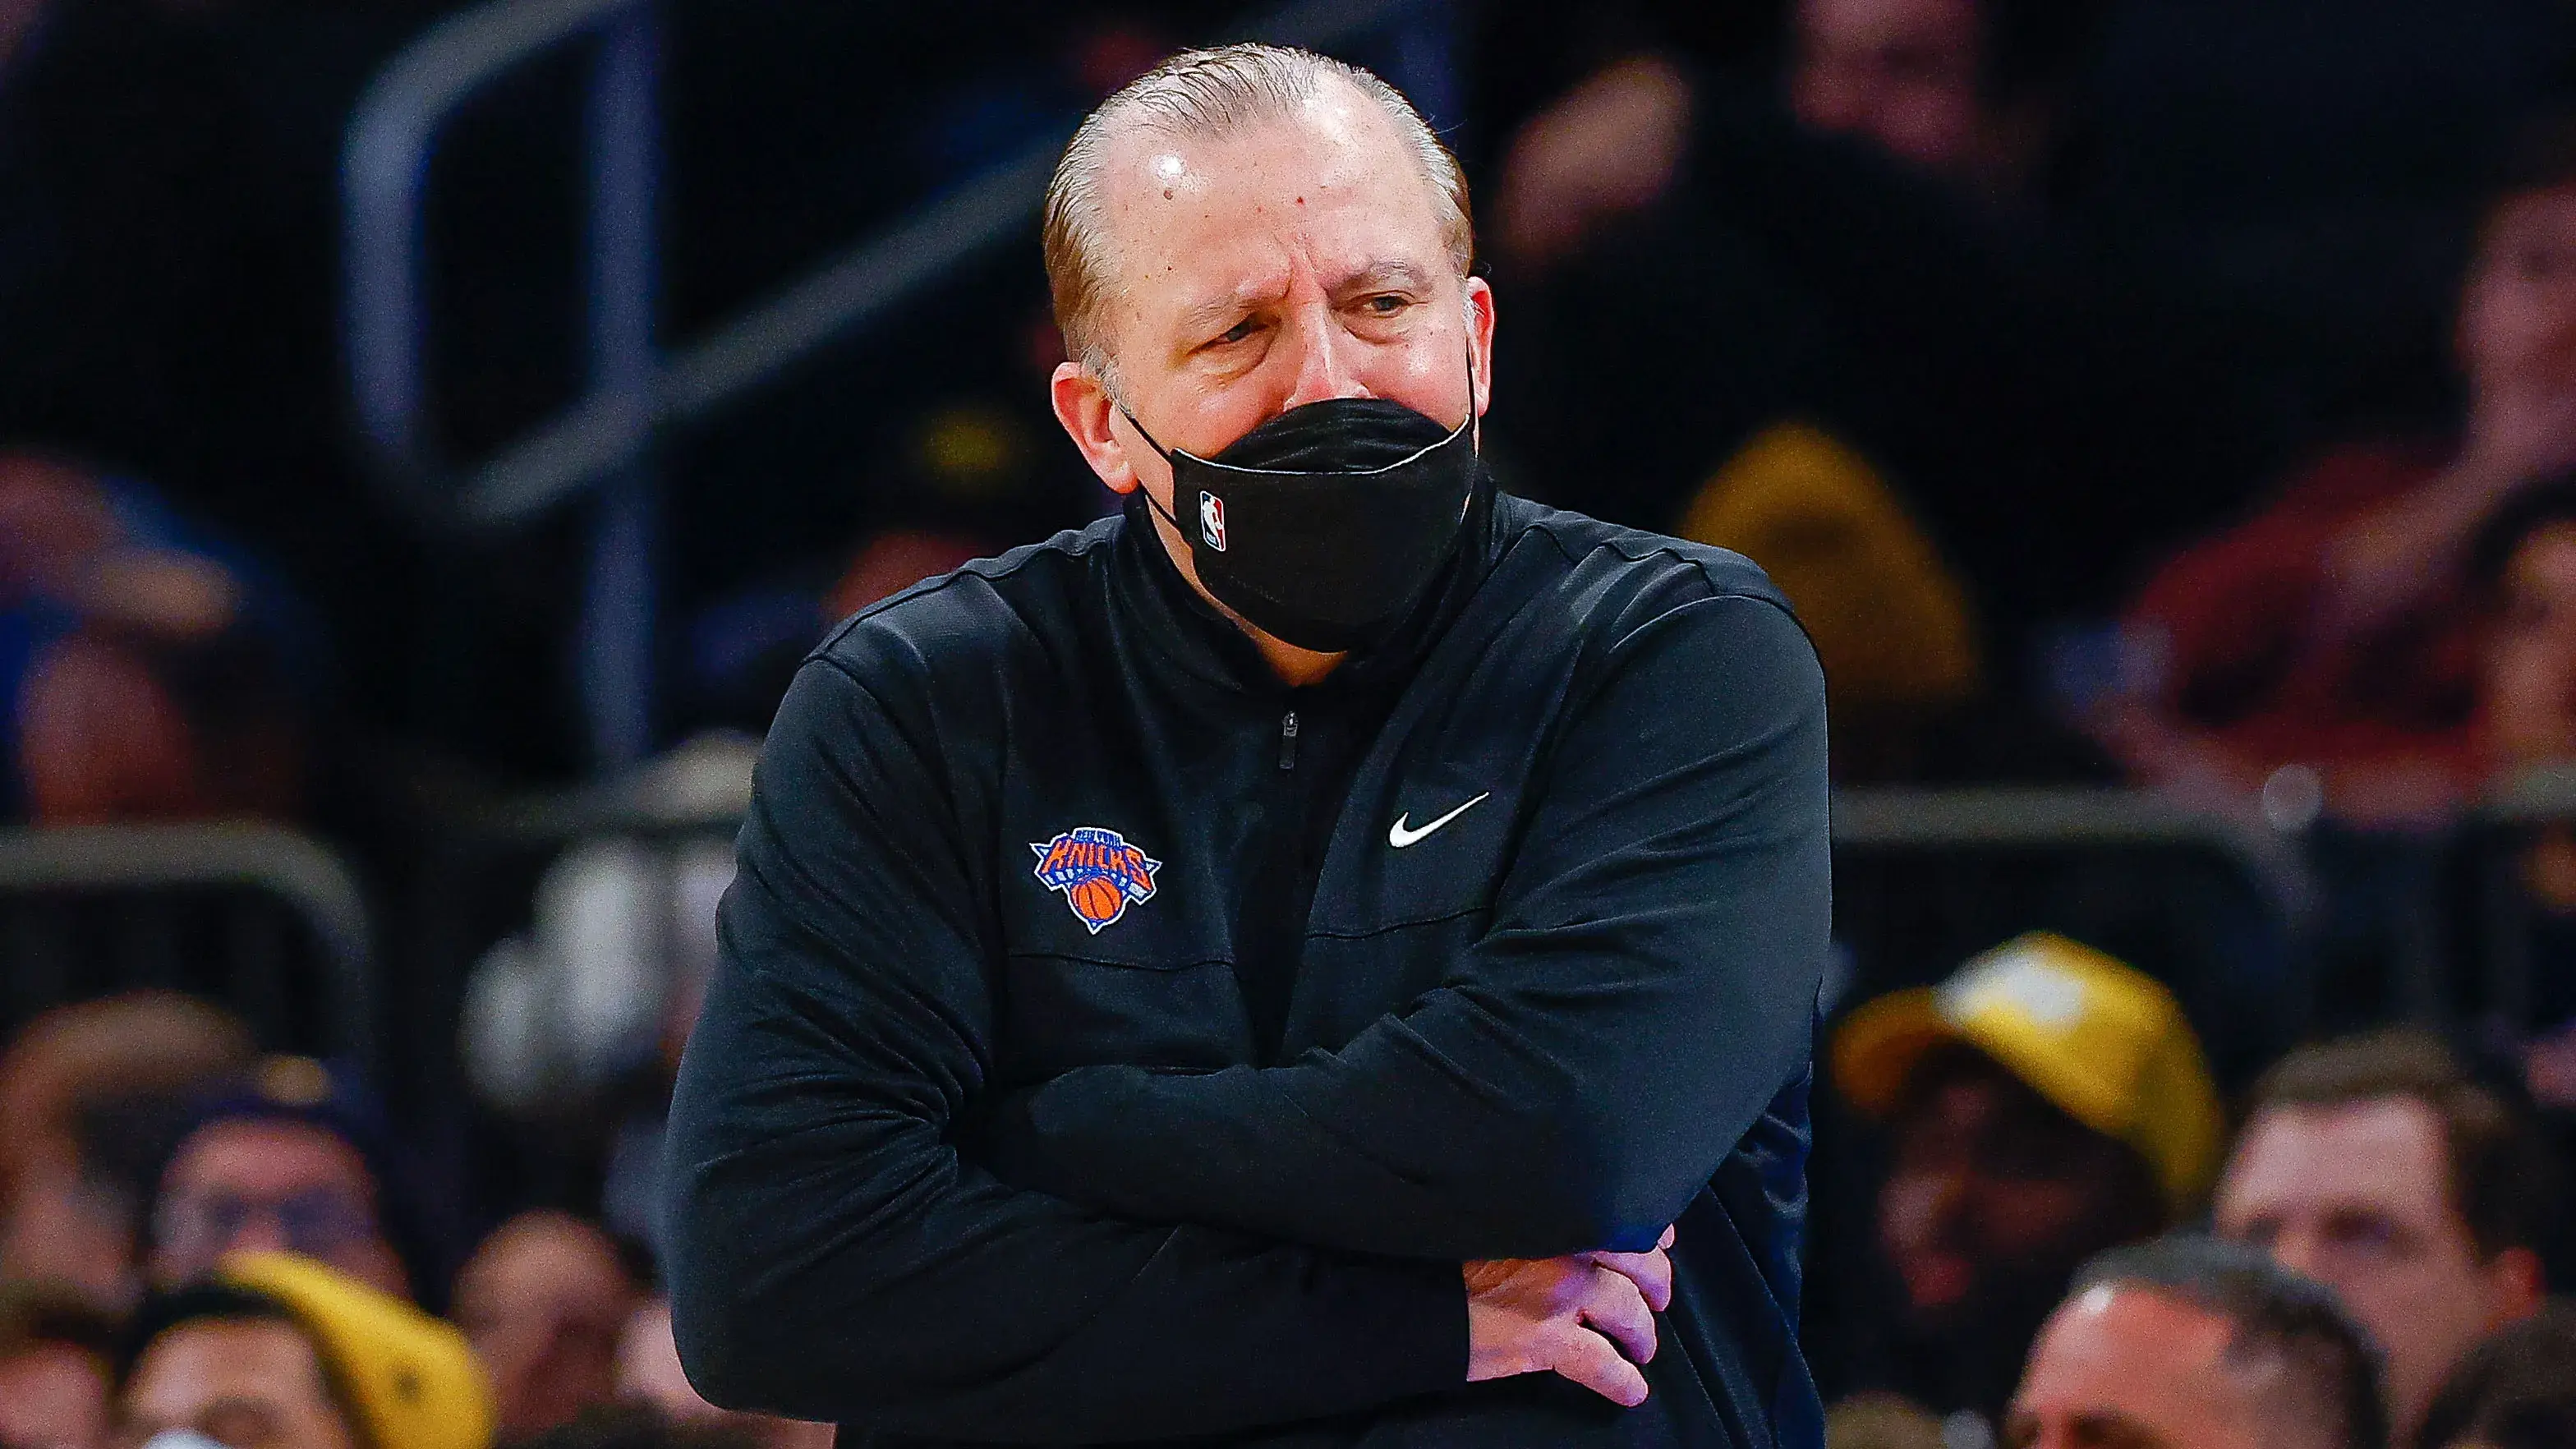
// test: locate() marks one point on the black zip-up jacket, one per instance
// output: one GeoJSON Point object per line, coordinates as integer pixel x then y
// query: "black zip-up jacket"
{"type": "Point", "coordinates": [1112, 1043]}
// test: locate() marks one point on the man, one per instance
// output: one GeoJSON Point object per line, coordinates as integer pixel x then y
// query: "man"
{"type": "Point", "coordinates": [281, 1352]}
{"type": "Point", "coordinates": [289, 1159]}
{"type": "Point", "coordinates": [2377, 1166]}
{"type": "Point", "coordinates": [2338, 627]}
{"type": "Point", "coordinates": [2044, 1104]}
{"type": "Point", "coordinates": [81, 1087]}
{"type": "Point", "coordinates": [2193, 1344]}
{"type": "Point", "coordinates": [544, 1301]}
{"type": "Point", "coordinates": [1268, 965]}
{"type": "Point", "coordinates": [57, 1355]}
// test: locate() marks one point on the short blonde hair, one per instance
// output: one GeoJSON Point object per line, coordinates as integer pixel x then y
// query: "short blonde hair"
{"type": "Point", "coordinates": [1206, 93]}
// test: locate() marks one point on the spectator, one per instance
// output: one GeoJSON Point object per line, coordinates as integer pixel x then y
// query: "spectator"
{"type": "Point", "coordinates": [1862, 340]}
{"type": "Point", "coordinates": [294, 1158]}
{"type": "Point", "coordinates": [2044, 1104]}
{"type": "Point", "coordinates": [648, 1372]}
{"type": "Point", "coordinates": [2189, 1341]}
{"type": "Point", "coordinates": [78, 1086]}
{"type": "Point", "coordinates": [2378, 1167]}
{"type": "Point", "coordinates": [544, 1301]}
{"type": "Point", "coordinates": [142, 670]}
{"type": "Point", "coordinates": [279, 1350]}
{"type": "Point", "coordinates": [2337, 628]}
{"type": "Point", "coordinates": [2517, 1390]}
{"type": "Point", "coordinates": [57, 1355]}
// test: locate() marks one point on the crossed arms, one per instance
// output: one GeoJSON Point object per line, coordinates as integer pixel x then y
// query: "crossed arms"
{"type": "Point", "coordinates": [1138, 1255]}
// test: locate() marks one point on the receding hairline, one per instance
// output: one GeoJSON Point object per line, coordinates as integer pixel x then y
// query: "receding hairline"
{"type": "Point", "coordinates": [1216, 95]}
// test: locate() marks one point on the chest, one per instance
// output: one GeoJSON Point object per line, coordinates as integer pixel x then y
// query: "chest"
{"type": "Point", "coordinates": [1194, 888]}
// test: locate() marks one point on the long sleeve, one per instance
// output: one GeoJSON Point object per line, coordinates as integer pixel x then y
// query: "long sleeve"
{"type": "Point", "coordinates": [832, 1255]}
{"type": "Point", "coordinates": [1645, 990]}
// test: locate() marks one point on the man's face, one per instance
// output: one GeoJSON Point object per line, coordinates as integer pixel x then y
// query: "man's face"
{"type": "Point", "coordinates": [1994, 1196]}
{"type": "Point", "coordinates": [1901, 73]}
{"type": "Point", "coordinates": [245, 1383]}
{"type": "Point", "coordinates": [2517, 334]}
{"type": "Point", "coordinates": [2528, 693]}
{"type": "Point", "coordinates": [1285, 264]}
{"type": "Point", "coordinates": [53, 1396]}
{"type": "Point", "coordinates": [2358, 1197]}
{"type": "Point", "coordinates": [2127, 1368]}
{"type": "Point", "coordinates": [544, 1301]}
{"type": "Point", "coordinates": [249, 1185]}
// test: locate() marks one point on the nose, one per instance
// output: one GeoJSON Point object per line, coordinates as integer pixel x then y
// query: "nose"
{"type": "Point", "coordinates": [2301, 1253]}
{"type": "Point", "coordinates": [261, 1232]}
{"type": "Point", "coordinates": [1321, 352]}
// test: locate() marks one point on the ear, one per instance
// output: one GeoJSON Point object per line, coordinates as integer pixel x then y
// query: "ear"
{"type": "Point", "coordinates": [1090, 418]}
{"type": "Point", "coordinates": [2516, 1286]}
{"type": "Point", "coordinates": [1480, 339]}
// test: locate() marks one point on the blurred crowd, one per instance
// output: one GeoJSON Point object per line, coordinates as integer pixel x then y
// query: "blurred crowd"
{"type": "Point", "coordinates": [2176, 394]}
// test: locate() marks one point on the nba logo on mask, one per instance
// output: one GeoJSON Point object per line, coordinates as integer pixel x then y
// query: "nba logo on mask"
{"type": "Point", "coordinates": [1212, 521]}
{"type": "Point", "coordinates": [1100, 874]}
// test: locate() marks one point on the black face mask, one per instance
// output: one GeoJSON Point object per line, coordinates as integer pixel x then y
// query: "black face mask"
{"type": "Point", "coordinates": [1322, 526]}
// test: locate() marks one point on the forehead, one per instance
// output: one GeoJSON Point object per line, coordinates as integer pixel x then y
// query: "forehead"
{"type": "Point", "coordinates": [259, 1155]}
{"type": "Point", "coordinates": [213, 1361]}
{"type": "Point", "coordinates": [2387, 1152]}
{"type": "Point", "coordinates": [1334, 181]}
{"type": "Point", "coordinates": [2137, 1353]}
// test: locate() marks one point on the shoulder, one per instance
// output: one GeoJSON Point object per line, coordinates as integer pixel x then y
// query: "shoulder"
{"type": "Point", "coordinates": [973, 618]}
{"type": "Point", "coordinates": [1615, 580]}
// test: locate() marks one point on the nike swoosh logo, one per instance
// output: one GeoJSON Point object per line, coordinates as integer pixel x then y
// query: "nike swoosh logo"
{"type": "Point", "coordinates": [1399, 837]}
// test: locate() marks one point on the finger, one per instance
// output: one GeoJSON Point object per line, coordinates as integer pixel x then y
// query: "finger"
{"type": "Point", "coordinates": [1651, 1272]}
{"type": "Point", "coordinates": [1588, 1359]}
{"type": "Point", "coordinates": [1613, 1305]}
{"type": "Point", "coordinates": [1671, 1230]}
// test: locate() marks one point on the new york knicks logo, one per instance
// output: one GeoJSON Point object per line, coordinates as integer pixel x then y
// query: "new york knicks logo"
{"type": "Point", "coordinates": [1099, 873]}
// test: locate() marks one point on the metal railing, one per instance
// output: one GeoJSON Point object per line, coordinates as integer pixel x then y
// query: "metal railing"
{"type": "Point", "coordinates": [135, 864]}
{"type": "Point", "coordinates": [605, 438]}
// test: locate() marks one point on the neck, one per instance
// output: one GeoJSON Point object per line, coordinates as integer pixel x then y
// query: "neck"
{"type": "Point", "coordinates": [1294, 666]}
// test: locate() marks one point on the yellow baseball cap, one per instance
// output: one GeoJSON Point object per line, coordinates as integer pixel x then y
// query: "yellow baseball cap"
{"type": "Point", "coordinates": [2106, 1043]}
{"type": "Point", "coordinates": [412, 1378]}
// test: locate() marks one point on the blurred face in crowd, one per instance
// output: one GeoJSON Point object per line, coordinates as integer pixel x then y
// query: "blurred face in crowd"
{"type": "Point", "coordinates": [1287, 263]}
{"type": "Point", "coordinates": [251, 1184]}
{"type": "Point", "coordinates": [1903, 74]}
{"type": "Point", "coordinates": [245, 1383]}
{"type": "Point", "coordinates": [544, 1301]}
{"type": "Point", "coordinates": [2358, 1196]}
{"type": "Point", "coordinates": [1995, 1196]}
{"type": "Point", "coordinates": [2529, 690]}
{"type": "Point", "coordinates": [2128, 1368]}
{"type": "Point", "coordinates": [53, 1396]}
{"type": "Point", "coordinates": [2517, 332]}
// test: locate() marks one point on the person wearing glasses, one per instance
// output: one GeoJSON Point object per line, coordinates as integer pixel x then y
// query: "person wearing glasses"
{"type": "Point", "coordinates": [289, 1159]}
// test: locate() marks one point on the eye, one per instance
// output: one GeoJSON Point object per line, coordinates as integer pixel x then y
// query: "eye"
{"type": "Point", "coordinates": [1386, 304]}
{"type": "Point", "coordinates": [1237, 332]}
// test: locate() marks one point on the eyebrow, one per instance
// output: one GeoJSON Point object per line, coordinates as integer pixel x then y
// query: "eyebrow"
{"type": "Point", "coordinates": [1377, 276]}
{"type": "Point", "coordinates": [1380, 275]}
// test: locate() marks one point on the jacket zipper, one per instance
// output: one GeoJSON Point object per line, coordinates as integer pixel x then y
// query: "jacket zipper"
{"type": "Point", "coordinates": [1288, 741]}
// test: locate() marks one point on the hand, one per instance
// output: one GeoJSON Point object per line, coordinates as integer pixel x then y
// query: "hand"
{"type": "Point", "coordinates": [1588, 1317]}
{"type": "Point", "coordinates": [1611, 145]}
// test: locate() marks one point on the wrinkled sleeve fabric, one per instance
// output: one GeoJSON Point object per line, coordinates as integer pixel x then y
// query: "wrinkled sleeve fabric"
{"type": "Point", "coordinates": [1645, 990]}
{"type": "Point", "coordinates": [833, 1258]}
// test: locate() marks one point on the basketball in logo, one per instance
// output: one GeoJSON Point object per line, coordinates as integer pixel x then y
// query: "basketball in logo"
{"type": "Point", "coordinates": [1100, 874]}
